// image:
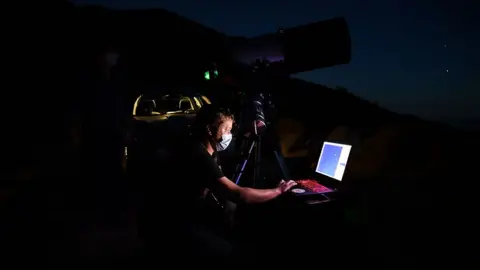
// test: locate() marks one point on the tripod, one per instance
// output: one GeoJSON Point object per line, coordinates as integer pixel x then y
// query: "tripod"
{"type": "Point", "coordinates": [253, 149]}
{"type": "Point", "coordinates": [252, 145]}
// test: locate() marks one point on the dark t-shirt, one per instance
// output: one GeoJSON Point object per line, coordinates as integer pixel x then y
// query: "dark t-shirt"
{"type": "Point", "coordinates": [197, 170]}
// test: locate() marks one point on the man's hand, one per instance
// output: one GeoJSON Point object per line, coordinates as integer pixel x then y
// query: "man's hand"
{"type": "Point", "coordinates": [285, 186]}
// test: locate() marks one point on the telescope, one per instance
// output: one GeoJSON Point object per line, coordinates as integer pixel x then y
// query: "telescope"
{"type": "Point", "coordinates": [298, 49]}
{"type": "Point", "coordinates": [160, 45]}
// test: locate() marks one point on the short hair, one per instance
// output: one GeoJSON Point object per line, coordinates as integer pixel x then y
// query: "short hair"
{"type": "Point", "coordinates": [209, 115]}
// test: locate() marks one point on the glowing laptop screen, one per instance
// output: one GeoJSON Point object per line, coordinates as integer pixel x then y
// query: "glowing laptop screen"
{"type": "Point", "coordinates": [333, 160]}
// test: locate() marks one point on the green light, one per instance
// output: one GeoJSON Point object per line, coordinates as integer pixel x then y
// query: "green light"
{"type": "Point", "coordinates": [207, 75]}
{"type": "Point", "coordinates": [215, 73]}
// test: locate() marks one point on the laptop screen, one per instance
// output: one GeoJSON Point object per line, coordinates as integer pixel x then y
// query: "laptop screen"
{"type": "Point", "coordinates": [333, 160]}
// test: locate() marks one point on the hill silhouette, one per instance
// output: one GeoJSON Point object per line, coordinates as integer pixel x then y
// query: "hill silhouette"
{"type": "Point", "coordinates": [324, 113]}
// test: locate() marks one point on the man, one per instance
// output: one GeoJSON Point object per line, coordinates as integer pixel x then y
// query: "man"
{"type": "Point", "coordinates": [198, 172]}
{"type": "Point", "coordinates": [211, 132]}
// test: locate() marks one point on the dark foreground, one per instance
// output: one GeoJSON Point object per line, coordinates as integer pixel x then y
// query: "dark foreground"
{"type": "Point", "coordinates": [355, 230]}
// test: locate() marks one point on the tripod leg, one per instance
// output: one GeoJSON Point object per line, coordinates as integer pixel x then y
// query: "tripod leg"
{"type": "Point", "coordinates": [257, 159]}
{"type": "Point", "coordinates": [241, 167]}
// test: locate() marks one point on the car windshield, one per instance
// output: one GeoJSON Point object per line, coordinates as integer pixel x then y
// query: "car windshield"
{"type": "Point", "coordinates": [157, 105]}
{"type": "Point", "coordinates": [166, 104]}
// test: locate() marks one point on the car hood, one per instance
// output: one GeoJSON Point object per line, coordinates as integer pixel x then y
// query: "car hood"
{"type": "Point", "coordinates": [164, 123]}
{"type": "Point", "coordinates": [165, 117]}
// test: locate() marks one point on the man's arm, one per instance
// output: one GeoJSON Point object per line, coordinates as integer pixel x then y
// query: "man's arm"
{"type": "Point", "coordinates": [237, 193]}
{"type": "Point", "coordinates": [225, 187]}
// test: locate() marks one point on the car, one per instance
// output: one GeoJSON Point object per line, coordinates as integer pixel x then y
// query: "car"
{"type": "Point", "coordinates": [160, 121]}
{"type": "Point", "coordinates": [152, 108]}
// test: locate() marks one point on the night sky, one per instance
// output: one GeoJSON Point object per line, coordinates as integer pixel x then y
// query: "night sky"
{"type": "Point", "coordinates": [411, 56]}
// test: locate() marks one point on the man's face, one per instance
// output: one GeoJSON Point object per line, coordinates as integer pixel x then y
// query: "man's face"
{"type": "Point", "coordinates": [224, 128]}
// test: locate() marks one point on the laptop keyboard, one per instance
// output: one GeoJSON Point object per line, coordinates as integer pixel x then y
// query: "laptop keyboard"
{"type": "Point", "coordinates": [312, 185]}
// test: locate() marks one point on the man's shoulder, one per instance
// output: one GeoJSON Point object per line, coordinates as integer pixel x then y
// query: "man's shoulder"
{"type": "Point", "coordinates": [188, 156]}
{"type": "Point", "coordinates": [194, 149]}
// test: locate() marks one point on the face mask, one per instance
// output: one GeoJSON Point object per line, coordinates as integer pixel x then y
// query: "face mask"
{"type": "Point", "coordinates": [226, 139]}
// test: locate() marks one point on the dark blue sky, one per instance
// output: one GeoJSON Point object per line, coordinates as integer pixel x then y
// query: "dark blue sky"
{"type": "Point", "coordinates": [399, 58]}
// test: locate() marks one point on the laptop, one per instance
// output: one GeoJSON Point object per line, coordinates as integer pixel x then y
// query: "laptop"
{"type": "Point", "coordinates": [330, 168]}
